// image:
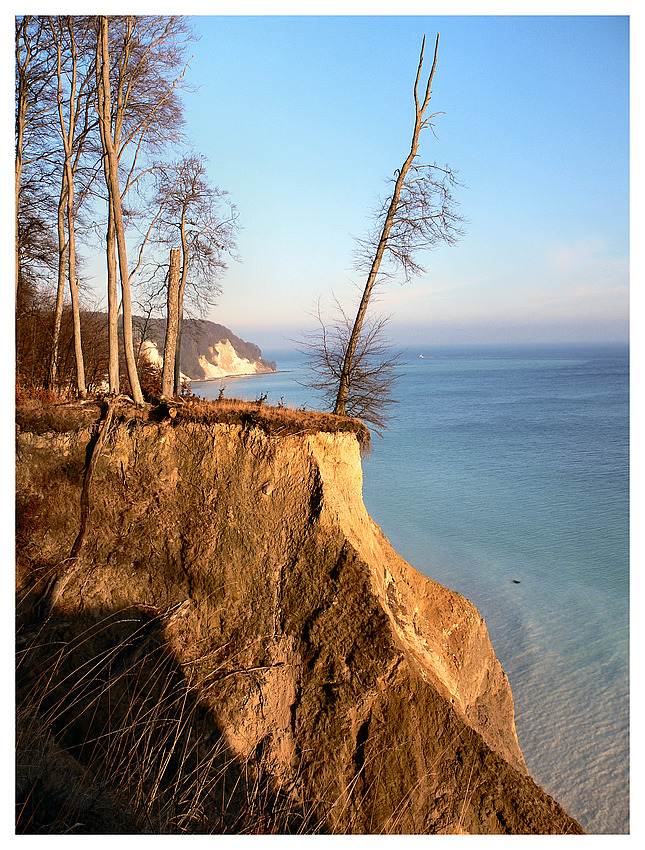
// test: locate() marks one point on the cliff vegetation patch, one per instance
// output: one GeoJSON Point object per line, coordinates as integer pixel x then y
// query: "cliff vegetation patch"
{"type": "Point", "coordinates": [41, 412]}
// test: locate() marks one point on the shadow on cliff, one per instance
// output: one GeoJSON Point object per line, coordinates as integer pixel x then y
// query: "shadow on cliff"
{"type": "Point", "coordinates": [111, 737]}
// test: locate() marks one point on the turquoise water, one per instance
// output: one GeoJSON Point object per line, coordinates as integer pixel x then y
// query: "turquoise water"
{"type": "Point", "coordinates": [505, 476]}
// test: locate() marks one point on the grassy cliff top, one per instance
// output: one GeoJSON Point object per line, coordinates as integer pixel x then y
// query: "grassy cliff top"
{"type": "Point", "coordinates": [41, 413]}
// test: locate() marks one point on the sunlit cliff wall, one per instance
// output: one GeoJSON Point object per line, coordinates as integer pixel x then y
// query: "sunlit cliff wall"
{"type": "Point", "coordinates": [367, 693]}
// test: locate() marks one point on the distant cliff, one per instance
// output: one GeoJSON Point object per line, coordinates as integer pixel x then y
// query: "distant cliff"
{"type": "Point", "coordinates": [208, 350]}
{"type": "Point", "coordinates": [238, 648]}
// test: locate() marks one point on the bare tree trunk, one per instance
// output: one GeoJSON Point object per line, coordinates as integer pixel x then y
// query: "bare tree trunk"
{"type": "Point", "coordinates": [180, 327]}
{"type": "Point", "coordinates": [52, 372]}
{"type": "Point", "coordinates": [112, 176]}
{"type": "Point", "coordinates": [113, 306]}
{"type": "Point", "coordinates": [20, 122]}
{"type": "Point", "coordinates": [110, 248]}
{"type": "Point", "coordinates": [18, 180]}
{"type": "Point", "coordinates": [78, 350]}
{"type": "Point", "coordinates": [128, 344]}
{"type": "Point", "coordinates": [172, 327]}
{"type": "Point", "coordinates": [71, 233]}
{"type": "Point", "coordinates": [345, 380]}
{"type": "Point", "coordinates": [22, 63]}
{"type": "Point", "coordinates": [180, 299]}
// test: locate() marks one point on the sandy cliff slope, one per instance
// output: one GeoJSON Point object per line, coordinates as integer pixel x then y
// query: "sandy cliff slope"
{"type": "Point", "coordinates": [319, 682]}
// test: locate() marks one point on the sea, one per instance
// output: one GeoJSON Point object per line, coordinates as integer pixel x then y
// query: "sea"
{"type": "Point", "coordinates": [504, 475]}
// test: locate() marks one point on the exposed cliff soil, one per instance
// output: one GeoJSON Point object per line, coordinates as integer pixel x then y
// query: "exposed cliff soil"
{"type": "Point", "coordinates": [239, 648]}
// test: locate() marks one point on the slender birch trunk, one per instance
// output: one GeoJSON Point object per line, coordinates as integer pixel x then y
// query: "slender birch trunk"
{"type": "Point", "coordinates": [52, 371]}
{"type": "Point", "coordinates": [345, 380]}
{"type": "Point", "coordinates": [67, 198]}
{"type": "Point", "coordinates": [73, 286]}
{"type": "Point", "coordinates": [112, 178]}
{"type": "Point", "coordinates": [113, 304]}
{"type": "Point", "coordinates": [110, 240]}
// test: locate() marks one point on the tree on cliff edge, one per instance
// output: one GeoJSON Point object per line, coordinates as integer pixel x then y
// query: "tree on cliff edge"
{"type": "Point", "coordinates": [418, 213]}
{"type": "Point", "coordinates": [374, 365]}
{"type": "Point", "coordinates": [138, 74]}
{"type": "Point", "coordinates": [201, 220]}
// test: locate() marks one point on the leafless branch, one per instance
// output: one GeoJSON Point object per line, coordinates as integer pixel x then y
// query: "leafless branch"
{"type": "Point", "coordinates": [374, 368]}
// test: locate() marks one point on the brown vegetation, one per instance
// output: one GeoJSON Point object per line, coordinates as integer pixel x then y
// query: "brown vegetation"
{"type": "Point", "coordinates": [40, 410]}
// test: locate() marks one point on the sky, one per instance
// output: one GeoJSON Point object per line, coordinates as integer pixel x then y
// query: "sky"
{"type": "Point", "coordinates": [304, 118]}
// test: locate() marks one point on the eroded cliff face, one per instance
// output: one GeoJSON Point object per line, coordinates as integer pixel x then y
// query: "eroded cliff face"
{"type": "Point", "coordinates": [367, 695]}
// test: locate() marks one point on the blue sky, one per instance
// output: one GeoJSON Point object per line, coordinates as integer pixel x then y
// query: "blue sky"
{"type": "Point", "coordinates": [303, 118]}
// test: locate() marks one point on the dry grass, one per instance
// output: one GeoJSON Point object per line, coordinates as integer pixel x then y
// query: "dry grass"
{"type": "Point", "coordinates": [275, 420]}
{"type": "Point", "coordinates": [40, 414]}
{"type": "Point", "coordinates": [112, 737]}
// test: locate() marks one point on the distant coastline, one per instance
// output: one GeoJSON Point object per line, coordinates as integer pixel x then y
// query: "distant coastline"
{"type": "Point", "coordinates": [239, 377]}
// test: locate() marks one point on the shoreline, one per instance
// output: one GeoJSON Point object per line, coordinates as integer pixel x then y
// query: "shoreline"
{"type": "Point", "coordinates": [236, 377]}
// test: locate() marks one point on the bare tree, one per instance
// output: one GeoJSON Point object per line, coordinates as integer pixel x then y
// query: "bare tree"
{"type": "Point", "coordinates": [138, 112]}
{"type": "Point", "coordinates": [111, 161]}
{"type": "Point", "coordinates": [36, 175]}
{"type": "Point", "coordinates": [34, 104]}
{"type": "Point", "coordinates": [35, 243]}
{"type": "Point", "coordinates": [374, 367]}
{"type": "Point", "coordinates": [418, 214]}
{"type": "Point", "coordinates": [70, 39]}
{"type": "Point", "coordinates": [200, 218]}
{"type": "Point", "coordinates": [172, 327]}
{"type": "Point", "coordinates": [74, 73]}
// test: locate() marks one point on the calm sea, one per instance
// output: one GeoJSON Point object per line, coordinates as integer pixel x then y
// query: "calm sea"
{"type": "Point", "coordinates": [505, 476]}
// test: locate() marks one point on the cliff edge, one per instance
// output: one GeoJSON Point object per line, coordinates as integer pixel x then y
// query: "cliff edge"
{"type": "Point", "coordinates": [239, 648]}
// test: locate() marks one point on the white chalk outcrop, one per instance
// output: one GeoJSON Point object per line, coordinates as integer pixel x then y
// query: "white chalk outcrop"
{"type": "Point", "coordinates": [221, 361]}
{"type": "Point", "coordinates": [226, 362]}
{"type": "Point", "coordinates": [150, 353]}
{"type": "Point", "coordinates": [208, 350]}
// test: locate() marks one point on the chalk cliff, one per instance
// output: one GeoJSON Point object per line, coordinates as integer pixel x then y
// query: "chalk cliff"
{"type": "Point", "coordinates": [208, 350]}
{"type": "Point", "coordinates": [318, 680]}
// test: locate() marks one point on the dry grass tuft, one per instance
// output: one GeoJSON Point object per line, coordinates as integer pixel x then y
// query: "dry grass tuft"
{"type": "Point", "coordinates": [112, 737]}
